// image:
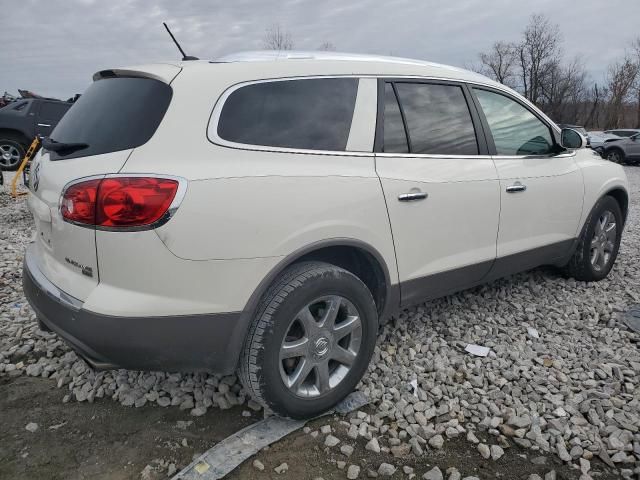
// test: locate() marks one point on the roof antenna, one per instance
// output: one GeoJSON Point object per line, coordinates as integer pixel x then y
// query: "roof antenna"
{"type": "Point", "coordinates": [184, 55]}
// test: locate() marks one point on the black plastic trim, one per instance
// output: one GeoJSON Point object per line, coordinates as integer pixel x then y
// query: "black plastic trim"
{"type": "Point", "coordinates": [440, 284]}
{"type": "Point", "coordinates": [392, 297]}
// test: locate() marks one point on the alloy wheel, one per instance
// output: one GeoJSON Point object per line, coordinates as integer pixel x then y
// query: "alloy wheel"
{"type": "Point", "coordinates": [9, 155]}
{"type": "Point", "coordinates": [320, 346]}
{"type": "Point", "coordinates": [603, 241]}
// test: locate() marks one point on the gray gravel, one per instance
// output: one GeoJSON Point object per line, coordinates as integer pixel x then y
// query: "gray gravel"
{"type": "Point", "coordinates": [574, 391]}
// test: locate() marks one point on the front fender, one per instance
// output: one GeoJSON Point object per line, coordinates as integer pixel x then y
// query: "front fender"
{"type": "Point", "coordinates": [600, 178]}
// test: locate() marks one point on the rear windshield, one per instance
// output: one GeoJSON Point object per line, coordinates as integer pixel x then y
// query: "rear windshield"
{"type": "Point", "coordinates": [113, 114]}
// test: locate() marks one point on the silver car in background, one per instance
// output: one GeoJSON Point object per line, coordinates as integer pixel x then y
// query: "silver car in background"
{"type": "Point", "coordinates": [622, 150]}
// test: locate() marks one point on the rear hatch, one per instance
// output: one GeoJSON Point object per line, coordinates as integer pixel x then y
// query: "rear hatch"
{"type": "Point", "coordinates": [120, 111]}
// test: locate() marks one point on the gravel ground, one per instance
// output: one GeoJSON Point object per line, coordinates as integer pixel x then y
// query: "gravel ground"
{"type": "Point", "coordinates": [562, 376]}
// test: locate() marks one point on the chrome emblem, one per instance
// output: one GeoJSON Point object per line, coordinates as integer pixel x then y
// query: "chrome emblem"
{"type": "Point", "coordinates": [322, 346]}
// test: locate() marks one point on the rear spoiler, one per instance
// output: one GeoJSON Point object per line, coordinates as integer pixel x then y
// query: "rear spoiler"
{"type": "Point", "coordinates": [164, 72]}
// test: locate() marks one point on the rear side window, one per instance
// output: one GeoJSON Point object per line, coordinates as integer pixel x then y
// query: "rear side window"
{"type": "Point", "coordinates": [113, 114]}
{"type": "Point", "coordinates": [438, 119]}
{"type": "Point", "coordinates": [515, 130]}
{"type": "Point", "coordinates": [313, 114]}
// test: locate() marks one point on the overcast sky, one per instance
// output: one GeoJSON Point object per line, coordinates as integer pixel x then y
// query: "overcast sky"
{"type": "Point", "coordinates": [53, 46]}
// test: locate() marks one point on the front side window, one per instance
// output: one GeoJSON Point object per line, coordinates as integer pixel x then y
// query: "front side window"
{"type": "Point", "coordinates": [310, 114]}
{"type": "Point", "coordinates": [438, 119]}
{"type": "Point", "coordinates": [515, 130]}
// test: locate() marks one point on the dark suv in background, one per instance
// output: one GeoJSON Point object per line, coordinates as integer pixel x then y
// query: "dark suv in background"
{"type": "Point", "coordinates": [21, 121]}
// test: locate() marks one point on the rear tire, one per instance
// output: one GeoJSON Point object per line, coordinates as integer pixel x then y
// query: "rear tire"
{"type": "Point", "coordinates": [301, 365]}
{"type": "Point", "coordinates": [12, 151]}
{"type": "Point", "coordinates": [598, 244]}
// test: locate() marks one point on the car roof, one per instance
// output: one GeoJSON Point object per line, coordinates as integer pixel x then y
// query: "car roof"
{"type": "Point", "coordinates": [322, 60]}
{"type": "Point", "coordinates": [273, 63]}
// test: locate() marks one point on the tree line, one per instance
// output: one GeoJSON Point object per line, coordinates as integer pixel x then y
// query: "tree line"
{"type": "Point", "coordinates": [537, 68]}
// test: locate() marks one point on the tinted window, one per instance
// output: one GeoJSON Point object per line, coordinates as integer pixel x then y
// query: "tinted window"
{"type": "Point", "coordinates": [515, 130]}
{"type": "Point", "coordinates": [395, 139]}
{"type": "Point", "coordinates": [438, 119]}
{"type": "Point", "coordinates": [113, 114]}
{"type": "Point", "coordinates": [53, 111]}
{"type": "Point", "coordinates": [312, 114]}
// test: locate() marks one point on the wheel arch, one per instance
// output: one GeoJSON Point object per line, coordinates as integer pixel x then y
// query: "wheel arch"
{"type": "Point", "coordinates": [355, 256]}
{"type": "Point", "coordinates": [622, 197]}
{"type": "Point", "coordinates": [342, 252]}
{"type": "Point", "coordinates": [16, 132]}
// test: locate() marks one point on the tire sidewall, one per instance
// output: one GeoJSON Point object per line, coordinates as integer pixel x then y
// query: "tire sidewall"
{"type": "Point", "coordinates": [21, 150]}
{"type": "Point", "coordinates": [605, 203]}
{"type": "Point", "coordinates": [337, 282]}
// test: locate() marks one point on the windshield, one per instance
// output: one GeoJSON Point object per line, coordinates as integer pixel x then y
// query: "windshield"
{"type": "Point", "coordinates": [113, 114]}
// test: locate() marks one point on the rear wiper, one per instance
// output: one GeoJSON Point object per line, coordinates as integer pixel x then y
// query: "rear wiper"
{"type": "Point", "coordinates": [62, 147]}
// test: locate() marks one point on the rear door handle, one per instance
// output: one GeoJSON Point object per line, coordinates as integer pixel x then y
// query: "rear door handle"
{"type": "Point", "coordinates": [44, 125]}
{"type": "Point", "coordinates": [516, 187]}
{"type": "Point", "coordinates": [412, 196]}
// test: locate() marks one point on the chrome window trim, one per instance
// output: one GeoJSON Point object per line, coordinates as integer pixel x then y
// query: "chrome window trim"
{"type": "Point", "coordinates": [183, 184]}
{"type": "Point", "coordinates": [214, 118]}
{"type": "Point", "coordinates": [427, 155]}
{"type": "Point", "coordinates": [212, 127]}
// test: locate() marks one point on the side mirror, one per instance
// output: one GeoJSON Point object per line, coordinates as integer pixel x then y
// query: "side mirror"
{"type": "Point", "coordinates": [635, 137]}
{"type": "Point", "coordinates": [570, 138]}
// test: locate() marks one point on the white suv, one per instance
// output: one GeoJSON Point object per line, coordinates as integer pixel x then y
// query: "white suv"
{"type": "Point", "coordinates": [266, 212]}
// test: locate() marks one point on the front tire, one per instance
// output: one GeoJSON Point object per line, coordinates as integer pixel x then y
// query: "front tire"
{"type": "Point", "coordinates": [599, 242]}
{"type": "Point", "coordinates": [615, 155]}
{"type": "Point", "coordinates": [12, 152]}
{"type": "Point", "coordinates": [311, 340]}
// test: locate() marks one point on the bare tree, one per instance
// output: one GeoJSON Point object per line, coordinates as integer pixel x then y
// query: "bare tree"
{"type": "Point", "coordinates": [636, 51]}
{"type": "Point", "coordinates": [499, 63]}
{"type": "Point", "coordinates": [622, 79]}
{"type": "Point", "coordinates": [593, 119]}
{"type": "Point", "coordinates": [276, 38]}
{"type": "Point", "coordinates": [327, 47]}
{"type": "Point", "coordinates": [538, 54]}
{"type": "Point", "coordinates": [563, 90]}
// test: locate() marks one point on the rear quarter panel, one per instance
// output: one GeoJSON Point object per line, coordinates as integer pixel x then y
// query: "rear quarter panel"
{"type": "Point", "coordinates": [248, 204]}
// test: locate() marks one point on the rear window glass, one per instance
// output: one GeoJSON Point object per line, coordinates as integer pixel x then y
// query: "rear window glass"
{"type": "Point", "coordinates": [438, 119]}
{"type": "Point", "coordinates": [313, 114]}
{"type": "Point", "coordinates": [113, 114]}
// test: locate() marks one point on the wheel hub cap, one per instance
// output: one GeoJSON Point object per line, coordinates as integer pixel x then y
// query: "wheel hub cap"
{"type": "Point", "coordinates": [9, 155]}
{"type": "Point", "coordinates": [320, 346]}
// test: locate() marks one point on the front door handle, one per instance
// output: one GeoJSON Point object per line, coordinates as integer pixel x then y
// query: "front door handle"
{"type": "Point", "coordinates": [412, 196]}
{"type": "Point", "coordinates": [44, 125]}
{"type": "Point", "coordinates": [516, 187]}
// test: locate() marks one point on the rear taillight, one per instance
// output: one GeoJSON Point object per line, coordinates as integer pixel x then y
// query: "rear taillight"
{"type": "Point", "coordinates": [119, 202]}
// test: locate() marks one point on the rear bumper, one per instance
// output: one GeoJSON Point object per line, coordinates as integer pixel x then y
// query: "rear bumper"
{"type": "Point", "coordinates": [174, 343]}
